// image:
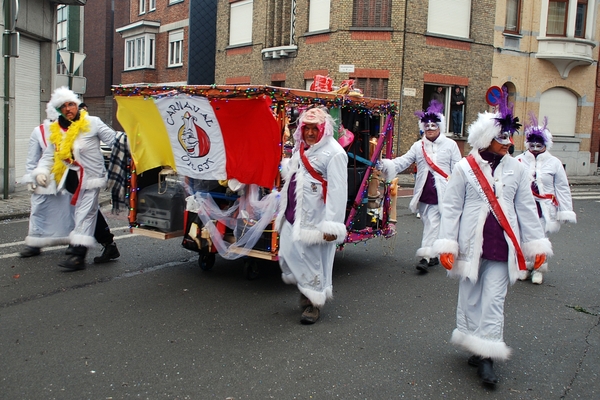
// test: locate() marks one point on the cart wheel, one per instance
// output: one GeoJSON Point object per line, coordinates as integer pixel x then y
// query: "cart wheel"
{"type": "Point", "coordinates": [251, 268]}
{"type": "Point", "coordinates": [206, 261]}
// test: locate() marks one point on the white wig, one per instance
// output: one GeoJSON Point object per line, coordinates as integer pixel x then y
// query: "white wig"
{"type": "Point", "coordinates": [59, 97]}
{"type": "Point", "coordinates": [319, 116]}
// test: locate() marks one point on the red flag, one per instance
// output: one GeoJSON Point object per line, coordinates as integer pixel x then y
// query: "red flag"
{"type": "Point", "coordinates": [252, 139]}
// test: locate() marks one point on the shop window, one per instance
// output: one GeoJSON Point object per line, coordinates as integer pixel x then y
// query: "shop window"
{"type": "Point", "coordinates": [318, 15]}
{"type": "Point", "coordinates": [240, 23]}
{"type": "Point", "coordinates": [513, 16]}
{"type": "Point", "coordinates": [449, 17]}
{"type": "Point", "coordinates": [557, 18]}
{"type": "Point", "coordinates": [372, 13]}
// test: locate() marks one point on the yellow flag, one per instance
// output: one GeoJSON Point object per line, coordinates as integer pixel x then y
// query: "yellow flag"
{"type": "Point", "coordinates": [146, 133]}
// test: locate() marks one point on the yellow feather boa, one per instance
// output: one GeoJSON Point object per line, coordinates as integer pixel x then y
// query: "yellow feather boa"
{"type": "Point", "coordinates": [63, 143]}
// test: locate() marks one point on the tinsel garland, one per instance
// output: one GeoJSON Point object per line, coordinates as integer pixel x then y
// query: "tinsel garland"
{"type": "Point", "coordinates": [63, 143]}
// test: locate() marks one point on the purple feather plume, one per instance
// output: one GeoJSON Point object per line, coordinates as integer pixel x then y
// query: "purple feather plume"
{"type": "Point", "coordinates": [507, 122]}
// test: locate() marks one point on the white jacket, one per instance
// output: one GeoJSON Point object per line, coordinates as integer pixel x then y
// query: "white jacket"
{"type": "Point", "coordinates": [464, 213]}
{"type": "Point", "coordinates": [313, 217]}
{"type": "Point", "coordinates": [551, 178]}
{"type": "Point", "coordinates": [86, 151]}
{"type": "Point", "coordinates": [443, 152]}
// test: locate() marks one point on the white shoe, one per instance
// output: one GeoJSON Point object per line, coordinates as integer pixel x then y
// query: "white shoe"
{"type": "Point", "coordinates": [537, 277]}
{"type": "Point", "coordinates": [418, 215]}
{"type": "Point", "coordinates": [524, 275]}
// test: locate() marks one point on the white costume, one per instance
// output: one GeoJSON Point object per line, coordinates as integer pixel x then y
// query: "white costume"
{"type": "Point", "coordinates": [51, 218]}
{"type": "Point", "coordinates": [548, 175]}
{"type": "Point", "coordinates": [444, 153]}
{"type": "Point", "coordinates": [551, 178]}
{"type": "Point", "coordinates": [87, 161]}
{"type": "Point", "coordinates": [483, 282]}
{"type": "Point", "coordinates": [305, 258]}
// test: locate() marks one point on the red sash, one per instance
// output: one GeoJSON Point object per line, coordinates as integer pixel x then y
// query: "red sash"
{"type": "Point", "coordinates": [432, 164]}
{"type": "Point", "coordinates": [497, 210]}
{"type": "Point", "coordinates": [43, 136]}
{"type": "Point", "coordinates": [80, 176]}
{"type": "Point", "coordinates": [313, 172]}
{"type": "Point", "coordinates": [550, 197]}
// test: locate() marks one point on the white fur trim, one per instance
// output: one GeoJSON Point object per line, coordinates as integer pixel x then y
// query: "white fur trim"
{"type": "Point", "coordinates": [317, 298]}
{"type": "Point", "coordinates": [334, 228]}
{"type": "Point", "coordinates": [497, 350]}
{"type": "Point", "coordinates": [552, 226]}
{"type": "Point", "coordinates": [95, 183]}
{"type": "Point", "coordinates": [425, 252]}
{"type": "Point", "coordinates": [389, 169]}
{"type": "Point", "coordinates": [289, 279]}
{"type": "Point", "coordinates": [567, 216]}
{"type": "Point", "coordinates": [483, 130]}
{"type": "Point", "coordinates": [308, 236]}
{"type": "Point", "coordinates": [534, 247]}
{"type": "Point", "coordinates": [36, 241]}
{"type": "Point", "coordinates": [78, 239]}
{"type": "Point", "coordinates": [442, 246]}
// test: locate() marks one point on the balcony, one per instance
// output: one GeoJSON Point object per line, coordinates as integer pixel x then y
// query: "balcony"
{"type": "Point", "coordinates": [279, 52]}
{"type": "Point", "coordinates": [565, 53]}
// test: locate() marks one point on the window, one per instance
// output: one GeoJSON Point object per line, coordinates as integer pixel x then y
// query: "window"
{"type": "Point", "coordinates": [240, 23]}
{"type": "Point", "coordinates": [176, 49]}
{"type": "Point", "coordinates": [61, 36]}
{"type": "Point", "coordinates": [372, 13]}
{"type": "Point", "coordinates": [449, 17]}
{"type": "Point", "coordinates": [372, 87]}
{"type": "Point", "coordinates": [580, 17]}
{"type": "Point", "coordinates": [152, 5]}
{"type": "Point", "coordinates": [560, 105]}
{"type": "Point", "coordinates": [557, 18]}
{"type": "Point", "coordinates": [139, 52]}
{"type": "Point", "coordinates": [513, 16]}
{"type": "Point", "coordinates": [318, 15]}
{"type": "Point", "coordinates": [142, 7]}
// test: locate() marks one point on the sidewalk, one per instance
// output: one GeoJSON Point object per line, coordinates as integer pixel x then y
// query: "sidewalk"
{"type": "Point", "coordinates": [18, 206]}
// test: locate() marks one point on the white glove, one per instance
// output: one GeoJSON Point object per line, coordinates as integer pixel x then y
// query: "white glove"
{"type": "Point", "coordinates": [42, 179]}
{"type": "Point", "coordinates": [379, 166]}
{"type": "Point", "coordinates": [31, 186]}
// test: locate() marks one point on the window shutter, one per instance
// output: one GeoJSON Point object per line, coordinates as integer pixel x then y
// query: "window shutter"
{"type": "Point", "coordinates": [449, 17]}
{"type": "Point", "coordinates": [240, 23]}
{"type": "Point", "coordinates": [318, 19]}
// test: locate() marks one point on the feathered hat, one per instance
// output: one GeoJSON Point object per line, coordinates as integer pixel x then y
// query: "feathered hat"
{"type": "Point", "coordinates": [59, 97]}
{"type": "Point", "coordinates": [536, 133]}
{"type": "Point", "coordinates": [434, 113]}
{"type": "Point", "coordinates": [501, 124]}
{"type": "Point", "coordinates": [318, 116]}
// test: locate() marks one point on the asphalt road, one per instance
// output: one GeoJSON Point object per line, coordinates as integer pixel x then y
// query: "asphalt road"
{"type": "Point", "coordinates": [152, 325]}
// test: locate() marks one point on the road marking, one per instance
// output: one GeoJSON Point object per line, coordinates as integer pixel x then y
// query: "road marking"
{"type": "Point", "coordinates": [10, 255]}
{"type": "Point", "coordinates": [586, 197]}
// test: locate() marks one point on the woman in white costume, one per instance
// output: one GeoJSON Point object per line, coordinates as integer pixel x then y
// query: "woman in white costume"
{"type": "Point", "coordinates": [549, 185]}
{"type": "Point", "coordinates": [51, 217]}
{"type": "Point", "coordinates": [489, 227]}
{"type": "Point", "coordinates": [312, 210]}
{"type": "Point", "coordinates": [435, 156]}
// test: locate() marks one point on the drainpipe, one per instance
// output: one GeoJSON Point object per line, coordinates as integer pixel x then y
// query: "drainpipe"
{"type": "Point", "coordinates": [11, 9]}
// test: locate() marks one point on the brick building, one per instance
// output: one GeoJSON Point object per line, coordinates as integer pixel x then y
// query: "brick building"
{"type": "Point", "coordinates": [546, 55]}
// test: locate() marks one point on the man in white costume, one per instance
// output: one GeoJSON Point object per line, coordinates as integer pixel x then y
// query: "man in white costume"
{"type": "Point", "coordinates": [51, 217]}
{"type": "Point", "coordinates": [489, 228]}
{"type": "Point", "coordinates": [312, 210]}
{"type": "Point", "coordinates": [549, 185]}
{"type": "Point", "coordinates": [74, 161]}
{"type": "Point", "coordinates": [435, 156]}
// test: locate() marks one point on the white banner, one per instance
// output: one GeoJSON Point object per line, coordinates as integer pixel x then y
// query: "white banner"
{"type": "Point", "coordinates": [195, 136]}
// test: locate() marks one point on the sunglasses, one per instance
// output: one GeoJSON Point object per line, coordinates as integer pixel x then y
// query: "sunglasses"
{"type": "Point", "coordinates": [504, 138]}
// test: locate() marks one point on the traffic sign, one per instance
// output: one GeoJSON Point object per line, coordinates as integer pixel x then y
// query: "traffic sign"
{"type": "Point", "coordinates": [492, 95]}
{"type": "Point", "coordinates": [71, 60]}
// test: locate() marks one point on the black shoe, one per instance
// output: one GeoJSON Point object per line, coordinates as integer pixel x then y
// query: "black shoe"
{"type": "Point", "coordinates": [109, 253]}
{"type": "Point", "coordinates": [310, 315]}
{"type": "Point", "coordinates": [423, 266]}
{"type": "Point", "coordinates": [474, 361]}
{"type": "Point", "coordinates": [485, 370]}
{"type": "Point", "coordinates": [433, 262]}
{"type": "Point", "coordinates": [74, 263]}
{"type": "Point", "coordinates": [30, 251]}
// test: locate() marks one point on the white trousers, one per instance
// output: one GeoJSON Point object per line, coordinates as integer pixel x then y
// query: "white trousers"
{"type": "Point", "coordinates": [430, 216]}
{"type": "Point", "coordinates": [480, 311]}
